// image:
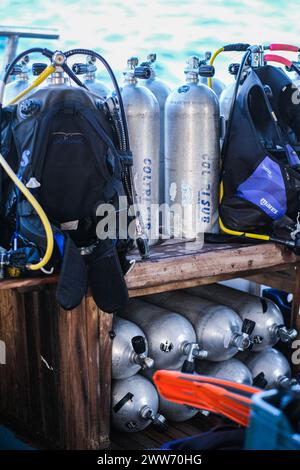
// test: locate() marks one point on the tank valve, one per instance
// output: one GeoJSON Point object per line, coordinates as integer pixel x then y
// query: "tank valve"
{"type": "Point", "coordinates": [241, 340]}
{"type": "Point", "coordinates": [285, 382]}
{"type": "Point", "coordinates": [151, 57]}
{"type": "Point", "coordinates": [284, 334]}
{"type": "Point", "coordinates": [158, 420]}
{"type": "Point", "coordinates": [58, 58]}
{"type": "Point", "coordinates": [192, 351]}
{"type": "Point", "coordinates": [139, 355]}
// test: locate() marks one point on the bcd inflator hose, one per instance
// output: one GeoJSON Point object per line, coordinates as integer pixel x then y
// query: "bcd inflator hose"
{"type": "Point", "coordinates": [39, 210]}
{"type": "Point", "coordinates": [238, 47]}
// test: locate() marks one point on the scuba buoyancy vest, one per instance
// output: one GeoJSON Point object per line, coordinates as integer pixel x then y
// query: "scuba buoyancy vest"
{"type": "Point", "coordinates": [260, 177]}
{"type": "Point", "coordinates": [63, 144]}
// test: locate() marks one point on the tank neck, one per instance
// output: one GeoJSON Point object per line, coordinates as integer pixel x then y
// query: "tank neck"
{"type": "Point", "coordinates": [130, 79]}
{"type": "Point", "coordinates": [22, 76]}
{"type": "Point", "coordinates": [90, 76]}
{"type": "Point", "coordinates": [58, 77]}
{"type": "Point", "coordinates": [192, 77]}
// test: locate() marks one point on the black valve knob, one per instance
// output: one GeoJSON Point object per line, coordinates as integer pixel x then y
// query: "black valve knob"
{"type": "Point", "coordinates": [248, 326]}
{"type": "Point", "coordinates": [233, 69]}
{"type": "Point", "coordinates": [138, 344]}
{"type": "Point", "coordinates": [142, 72]}
{"type": "Point", "coordinates": [38, 68]}
{"type": "Point", "coordinates": [188, 367]}
{"type": "Point", "coordinates": [81, 69]}
{"type": "Point", "coordinates": [206, 70]}
{"type": "Point", "coordinates": [16, 70]}
{"type": "Point", "coordinates": [260, 381]}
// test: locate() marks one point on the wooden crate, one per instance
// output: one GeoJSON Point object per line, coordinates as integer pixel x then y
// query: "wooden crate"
{"type": "Point", "coordinates": [56, 381]}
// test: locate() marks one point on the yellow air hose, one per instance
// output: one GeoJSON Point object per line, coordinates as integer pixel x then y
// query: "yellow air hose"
{"type": "Point", "coordinates": [31, 199]}
{"type": "Point", "coordinates": [50, 69]}
{"type": "Point", "coordinates": [211, 62]}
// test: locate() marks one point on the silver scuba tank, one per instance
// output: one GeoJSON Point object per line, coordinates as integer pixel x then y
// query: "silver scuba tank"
{"type": "Point", "coordinates": [161, 91]}
{"type": "Point", "coordinates": [232, 369]}
{"type": "Point", "coordinates": [129, 349]}
{"type": "Point", "coordinates": [88, 70]}
{"type": "Point", "coordinates": [171, 337]}
{"type": "Point", "coordinates": [170, 410]}
{"type": "Point", "coordinates": [192, 155]}
{"type": "Point", "coordinates": [217, 85]}
{"type": "Point", "coordinates": [267, 320]}
{"type": "Point", "coordinates": [20, 73]}
{"type": "Point", "coordinates": [227, 94]}
{"type": "Point", "coordinates": [135, 404]}
{"type": "Point", "coordinates": [143, 120]}
{"type": "Point", "coordinates": [219, 329]}
{"type": "Point", "coordinates": [269, 368]}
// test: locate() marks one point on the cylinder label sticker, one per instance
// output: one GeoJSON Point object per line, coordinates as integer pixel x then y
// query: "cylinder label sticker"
{"type": "Point", "coordinates": [183, 89]}
{"type": "Point", "coordinates": [167, 346]}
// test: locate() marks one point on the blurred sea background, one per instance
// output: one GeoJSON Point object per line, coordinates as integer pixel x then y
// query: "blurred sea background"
{"type": "Point", "coordinates": [173, 29]}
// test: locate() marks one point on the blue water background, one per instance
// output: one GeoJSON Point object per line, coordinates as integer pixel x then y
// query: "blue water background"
{"type": "Point", "coordinates": [171, 28]}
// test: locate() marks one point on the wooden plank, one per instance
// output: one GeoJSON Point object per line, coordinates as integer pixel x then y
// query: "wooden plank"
{"type": "Point", "coordinates": [233, 261]}
{"type": "Point", "coordinates": [105, 362]}
{"type": "Point", "coordinates": [166, 267]}
{"type": "Point", "coordinates": [282, 280]}
{"type": "Point", "coordinates": [14, 375]}
{"type": "Point", "coordinates": [28, 282]}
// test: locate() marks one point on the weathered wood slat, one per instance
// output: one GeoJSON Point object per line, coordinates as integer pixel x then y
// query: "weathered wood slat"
{"type": "Point", "coordinates": [184, 264]}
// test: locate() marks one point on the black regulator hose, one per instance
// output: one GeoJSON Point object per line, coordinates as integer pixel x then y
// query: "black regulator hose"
{"type": "Point", "coordinates": [236, 88]}
{"type": "Point", "coordinates": [43, 51]}
{"type": "Point", "coordinates": [73, 76]}
{"type": "Point", "coordinates": [113, 79]}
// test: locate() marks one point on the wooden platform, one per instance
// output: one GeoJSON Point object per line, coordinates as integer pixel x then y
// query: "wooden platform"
{"type": "Point", "coordinates": [56, 383]}
{"type": "Point", "coordinates": [150, 438]}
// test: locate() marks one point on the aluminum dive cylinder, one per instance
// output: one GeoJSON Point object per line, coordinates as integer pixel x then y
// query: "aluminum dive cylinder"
{"type": "Point", "coordinates": [269, 368]}
{"type": "Point", "coordinates": [232, 369]}
{"type": "Point", "coordinates": [170, 410]}
{"type": "Point", "coordinates": [20, 72]}
{"type": "Point", "coordinates": [161, 91]}
{"type": "Point", "coordinates": [266, 317]}
{"type": "Point", "coordinates": [227, 94]}
{"type": "Point", "coordinates": [143, 120]}
{"type": "Point", "coordinates": [129, 349]}
{"type": "Point", "coordinates": [192, 156]}
{"type": "Point", "coordinates": [171, 337]}
{"type": "Point", "coordinates": [135, 404]}
{"type": "Point", "coordinates": [219, 329]}
{"type": "Point", "coordinates": [217, 85]}
{"type": "Point", "coordinates": [89, 70]}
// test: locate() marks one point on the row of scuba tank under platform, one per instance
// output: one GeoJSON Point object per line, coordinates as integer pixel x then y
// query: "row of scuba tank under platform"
{"type": "Point", "coordinates": [213, 330]}
{"type": "Point", "coordinates": [174, 137]}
